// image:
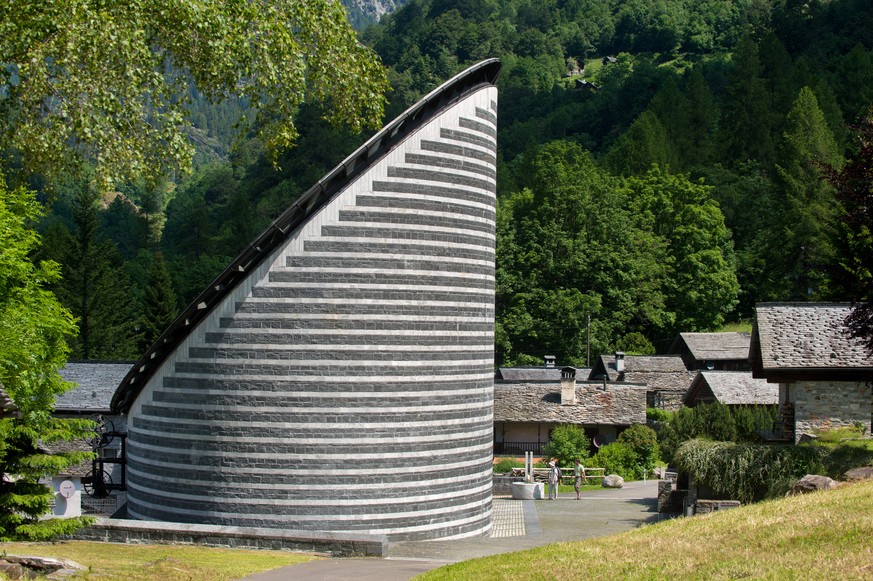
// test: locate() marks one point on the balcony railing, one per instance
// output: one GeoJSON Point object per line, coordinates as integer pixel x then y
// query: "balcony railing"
{"type": "Point", "coordinates": [519, 447]}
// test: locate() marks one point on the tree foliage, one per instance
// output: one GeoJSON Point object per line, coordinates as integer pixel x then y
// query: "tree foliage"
{"type": "Point", "coordinates": [107, 81]}
{"type": "Point", "coordinates": [33, 332]}
{"type": "Point", "coordinates": [567, 442]}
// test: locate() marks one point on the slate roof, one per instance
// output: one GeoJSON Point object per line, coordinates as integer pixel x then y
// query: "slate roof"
{"type": "Point", "coordinates": [731, 388]}
{"type": "Point", "coordinates": [658, 372]}
{"type": "Point", "coordinates": [534, 373]}
{"type": "Point", "coordinates": [795, 341]}
{"type": "Point", "coordinates": [713, 346]}
{"type": "Point", "coordinates": [621, 405]}
{"type": "Point", "coordinates": [97, 382]}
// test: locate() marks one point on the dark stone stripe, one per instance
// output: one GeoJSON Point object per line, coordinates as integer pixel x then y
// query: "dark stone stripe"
{"type": "Point", "coordinates": [477, 312]}
{"type": "Point", "coordinates": [442, 177]}
{"type": "Point", "coordinates": [486, 115]}
{"type": "Point", "coordinates": [415, 219]}
{"type": "Point", "coordinates": [461, 151]}
{"type": "Point", "coordinates": [450, 163]}
{"type": "Point", "coordinates": [388, 248]}
{"type": "Point", "coordinates": [405, 234]}
{"type": "Point", "coordinates": [425, 205]}
{"type": "Point", "coordinates": [433, 191]}
{"type": "Point", "coordinates": [336, 368]}
{"type": "Point", "coordinates": [443, 267]}
{"type": "Point", "coordinates": [465, 137]}
{"type": "Point", "coordinates": [477, 126]}
{"type": "Point", "coordinates": [336, 386]}
{"type": "Point", "coordinates": [357, 294]}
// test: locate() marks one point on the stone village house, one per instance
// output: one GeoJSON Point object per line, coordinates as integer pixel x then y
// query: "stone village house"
{"type": "Point", "coordinates": [824, 375]}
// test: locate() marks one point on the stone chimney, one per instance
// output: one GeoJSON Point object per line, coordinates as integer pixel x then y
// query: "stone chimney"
{"type": "Point", "coordinates": [549, 360]}
{"type": "Point", "coordinates": [568, 386]}
{"type": "Point", "coordinates": [619, 361]}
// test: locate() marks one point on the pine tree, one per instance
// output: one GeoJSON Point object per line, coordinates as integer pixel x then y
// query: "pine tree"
{"type": "Point", "coordinates": [159, 308]}
{"type": "Point", "coordinates": [802, 247]}
{"type": "Point", "coordinates": [33, 332]}
{"type": "Point", "coordinates": [96, 288]}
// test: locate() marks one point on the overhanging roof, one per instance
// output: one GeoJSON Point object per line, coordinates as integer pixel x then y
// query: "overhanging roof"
{"type": "Point", "coordinates": [481, 75]}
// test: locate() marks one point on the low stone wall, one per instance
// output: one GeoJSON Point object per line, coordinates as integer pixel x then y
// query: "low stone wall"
{"type": "Point", "coordinates": [708, 506]}
{"type": "Point", "coordinates": [503, 484]}
{"type": "Point", "coordinates": [151, 532]}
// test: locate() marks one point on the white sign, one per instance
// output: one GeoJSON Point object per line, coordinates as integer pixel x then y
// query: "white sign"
{"type": "Point", "coordinates": [67, 488]}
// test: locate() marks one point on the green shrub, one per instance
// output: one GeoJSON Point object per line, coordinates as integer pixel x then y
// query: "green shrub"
{"type": "Point", "coordinates": [618, 458]}
{"type": "Point", "coordinates": [713, 421]}
{"type": "Point", "coordinates": [566, 443]}
{"type": "Point", "coordinates": [658, 414]}
{"type": "Point", "coordinates": [748, 472]}
{"type": "Point", "coordinates": [643, 441]}
{"type": "Point", "coordinates": [504, 465]}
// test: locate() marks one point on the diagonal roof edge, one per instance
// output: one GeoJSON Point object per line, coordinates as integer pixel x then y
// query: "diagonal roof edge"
{"type": "Point", "coordinates": [474, 78]}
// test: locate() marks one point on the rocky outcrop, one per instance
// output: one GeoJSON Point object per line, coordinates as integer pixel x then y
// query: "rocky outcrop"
{"type": "Point", "coordinates": [812, 483]}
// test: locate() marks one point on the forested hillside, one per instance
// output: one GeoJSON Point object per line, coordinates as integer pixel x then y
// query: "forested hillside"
{"type": "Point", "coordinates": [661, 169]}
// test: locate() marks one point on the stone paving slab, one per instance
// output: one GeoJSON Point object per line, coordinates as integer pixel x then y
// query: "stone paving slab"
{"type": "Point", "coordinates": [598, 513]}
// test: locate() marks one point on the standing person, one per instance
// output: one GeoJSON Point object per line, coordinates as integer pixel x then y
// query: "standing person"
{"type": "Point", "coordinates": [577, 478]}
{"type": "Point", "coordinates": [554, 480]}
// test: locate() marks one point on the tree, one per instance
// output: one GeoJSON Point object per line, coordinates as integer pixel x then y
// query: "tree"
{"type": "Point", "coordinates": [107, 81]}
{"type": "Point", "coordinates": [96, 287]}
{"type": "Point", "coordinates": [566, 443]}
{"type": "Point", "coordinates": [33, 331]}
{"type": "Point", "coordinates": [854, 190]}
{"type": "Point", "coordinates": [159, 307]}
{"type": "Point", "coordinates": [802, 248]}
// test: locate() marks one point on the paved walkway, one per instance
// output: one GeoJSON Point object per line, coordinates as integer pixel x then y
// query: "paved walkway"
{"type": "Point", "coordinates": [518, 525]}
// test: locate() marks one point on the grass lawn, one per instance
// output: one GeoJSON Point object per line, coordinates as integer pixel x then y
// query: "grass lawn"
{"type": "Point", "coordinates": [106, 561]}
{"type": "Point", "coordinates": [824, 535]}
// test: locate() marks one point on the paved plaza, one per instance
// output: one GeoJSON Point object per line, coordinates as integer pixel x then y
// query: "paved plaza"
{"type": "Point", "coordinates": [517, 525]}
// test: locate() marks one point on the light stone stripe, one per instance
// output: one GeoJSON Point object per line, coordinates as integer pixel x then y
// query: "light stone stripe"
{"type": "Point", "coordinates": [324, 379]}
{"type": "Point", "coordinates": [436, 195]}
{"type": "Point", "coordinates": [338, 348]}
{"type": "Point", "coordinates": [406, 424]}
{"type": "Point", "coordinates": [380, 271]}
{"type": "Point", "coordinates": [315, 470]}
{"type": "Point", "coordinates": [295, 409]}
{"type": "Point", "coordinates": [462, 166]}
{"type": "Point", "coordinates": [322, 301]}
{"type": "Point", "coordinates": [375, 395]}
{"type": "Point", "coordinates": [382, 287]}
{"type": "Point", "coordinates": [395, 364]}
{"type": "Point", "coordinates": [324, 487]}
{"type": "Point", "coordinates": [346, 332]}
{"type": "Point", "coordinates": [396, 257]}
{"type": "Point", "coordinates": [405, 211]}
{"type": "Point", "coordinates": [406, 241]}
{"type": "Point", "coordinates": [326, 456]}
{"type": "Point", "coordinates": [419, 514]}
{"type": "Point", "coordinates": [354, 317]}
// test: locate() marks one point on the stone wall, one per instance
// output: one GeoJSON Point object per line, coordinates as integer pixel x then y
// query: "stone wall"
{"type": "Point", "coordinates": [829, 404]}
{"type": "Point", "coordinates": [346, 386]}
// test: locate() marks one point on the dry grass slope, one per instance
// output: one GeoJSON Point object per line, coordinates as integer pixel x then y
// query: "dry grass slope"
{"type": "Point", "coordinates": [826, 535]}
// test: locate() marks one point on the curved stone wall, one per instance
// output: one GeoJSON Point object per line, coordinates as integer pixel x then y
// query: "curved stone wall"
{"type": "Point", "coordinates": [347, 384]}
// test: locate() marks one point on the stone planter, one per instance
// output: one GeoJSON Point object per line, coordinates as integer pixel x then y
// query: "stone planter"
{"type": "Point", "coordinates": [527, 491]}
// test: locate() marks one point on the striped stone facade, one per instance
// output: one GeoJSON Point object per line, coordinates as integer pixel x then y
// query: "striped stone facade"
{"type": "Point", "coordinates": [346, 385]}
